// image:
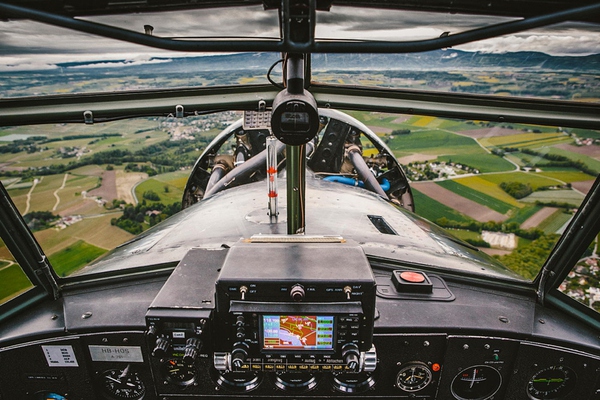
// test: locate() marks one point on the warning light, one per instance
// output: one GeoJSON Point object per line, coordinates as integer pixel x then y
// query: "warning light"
{"type": "Point", "coordinates": [413, 277]}
{"type": "Point", "coordinates": [411, 282]}
{"type": "Point", "coordinates": [436, 367]}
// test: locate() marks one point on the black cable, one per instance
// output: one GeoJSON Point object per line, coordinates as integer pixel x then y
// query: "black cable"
{"type": "Point", "coordinates": [277, 85]}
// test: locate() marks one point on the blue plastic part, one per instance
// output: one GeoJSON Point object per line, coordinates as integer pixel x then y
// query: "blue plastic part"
{"type": "Point", "coordinates": [385, 184]}
{"type": "Point", "coordinates": [50, 396]}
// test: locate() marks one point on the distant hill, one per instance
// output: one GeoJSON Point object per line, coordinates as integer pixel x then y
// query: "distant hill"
{"type": "Point", "coordinates": [434, 60]}
{"type": "Point", "coordinates": [456, 59]}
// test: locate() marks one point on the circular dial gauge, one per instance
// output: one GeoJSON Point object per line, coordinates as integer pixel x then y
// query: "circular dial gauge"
{"type": "Point", "coordinates": [237, 381]}
{"type": "Point", "coordinates": [478, 382]}
{"type": "Point", "coordinates": [122, 384]}
{"type": "Point", "coordinates": [553, 382]}
{"type": "Point", "coordinates": [413, 377]}
{"type": "Point", "coordinates": [355, 382]}
{"type": "Point", "coordinates": [178, 372]}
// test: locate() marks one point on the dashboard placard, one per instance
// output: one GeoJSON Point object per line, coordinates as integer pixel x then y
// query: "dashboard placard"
{"type": "Point", "coordinates": [60, 356]}
{"type": "Point", "coordinates": [116, 353]}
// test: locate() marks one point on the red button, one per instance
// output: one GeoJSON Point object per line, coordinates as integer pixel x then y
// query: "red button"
{"type": "Point", "coordinates": [413, 277]}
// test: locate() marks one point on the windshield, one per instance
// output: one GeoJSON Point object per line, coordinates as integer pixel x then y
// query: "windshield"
{"type": "Point", "coordinates": [506, 189]}
{"type": "Point", "coordinates": [556, 62]}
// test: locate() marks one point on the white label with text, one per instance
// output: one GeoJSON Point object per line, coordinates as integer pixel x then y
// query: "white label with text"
{"type": "Point", "coordinates": [116, 353]}
{"type": "Point", "coordinates": [60, 356]}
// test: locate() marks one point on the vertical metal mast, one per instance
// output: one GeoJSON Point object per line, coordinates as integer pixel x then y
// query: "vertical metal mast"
{"type": "Point", "coordinates": [295, 155]}
{"type": "Point", "coordinates": [297, 26]}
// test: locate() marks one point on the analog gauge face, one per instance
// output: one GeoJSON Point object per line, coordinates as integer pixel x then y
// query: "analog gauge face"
{"type": "Point", "coordinates": [414, 377]}
{"type": "Point", "coordinates": [553, 382]}
{"type": "Point", "coordinates": [478, 382]}
{"type": "Point", "coordinates": [122, 384]}
{"type": "Point", "coordinates": [178, 372]}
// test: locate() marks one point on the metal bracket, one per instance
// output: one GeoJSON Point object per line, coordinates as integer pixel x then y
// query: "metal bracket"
{"type": "Point", "coordinates": [88, 117]}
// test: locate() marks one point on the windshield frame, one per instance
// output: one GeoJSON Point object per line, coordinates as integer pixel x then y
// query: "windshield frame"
{"type": "Point", "coordinates": [106, 107]}
{"type": "Point", "coordinates": [298, 33]}
{"type": "Point", "coordinates": [102, 107]}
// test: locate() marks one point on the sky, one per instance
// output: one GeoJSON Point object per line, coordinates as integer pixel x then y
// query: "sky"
{"type": "Point", "coordinates": [30, 45]}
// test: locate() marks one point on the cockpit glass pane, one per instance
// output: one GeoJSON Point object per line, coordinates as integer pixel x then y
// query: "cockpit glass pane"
{"type": "Point", "coordinates": [14, 281]}
{"type": "Point", "coordinates": [38, 59]}
{"type": "Point", "coordinates": [583, 282]}
{"type": "Point", "coordinates": [86, 189]}
{"type": "Point", "coordinates": [352, 23]}
{"type": "Point", "coordinates": [557, 62]}
{"type": "Point", "coordinates": [506, 189]}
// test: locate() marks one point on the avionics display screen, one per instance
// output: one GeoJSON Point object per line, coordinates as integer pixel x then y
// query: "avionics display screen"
{"type": "Point", "coordinates": [297, 332]}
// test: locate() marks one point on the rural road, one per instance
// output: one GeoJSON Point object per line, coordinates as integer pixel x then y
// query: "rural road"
{"type": "Point", "coordinates": [35, 182]}
{"type": "Point", "coordinates": [57, 190]}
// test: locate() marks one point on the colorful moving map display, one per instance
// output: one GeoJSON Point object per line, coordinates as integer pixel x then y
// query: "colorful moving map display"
{"type": "Point", "coordinates": [293, 332]}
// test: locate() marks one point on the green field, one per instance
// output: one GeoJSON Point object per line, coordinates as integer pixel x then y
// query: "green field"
{"type": "Point", "coordinates": [480, 160]}
{"type": "Point", "coordinates": [433, 142]}
{"type": "Point", "coordinates": [589, 161]}
{"type": "Point", "coordinates": [525, 139]}
{"type": "Point", "coordinates": [476, 196]}
{"type": "Point", "coordinates": [74, 257]}
{"type": "Point", "coordinates": [481, 185]}
{"type": "Point", "coordinates": [176, 180]}
{"type": "Point", "coordinates": [464, 234]}
{"type": "Point", "coordinates": [567, 175]}
{"type": "Point", "coordinates": [448, 147]}
{"type": "Point", "coordinates": [14, 282]}
{"type": "Point", "coordinates": [522, 214]}
{"type": "Point", "coordinates": [534, 180]}
{"type": "Point", "coordinates": [560, 196]}
{"type": "Point", "coordinates": [554, 222]}
{"type": "Point", "coordinates": [432, 210]}
{"type": "Point", "coordinates": [167, 192]}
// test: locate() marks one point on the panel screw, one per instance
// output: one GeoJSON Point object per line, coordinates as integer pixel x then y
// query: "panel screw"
{"type": "Point", "coordinates": [54, 317]}
{"type": "Point", "coordinates": [503, 319]}
{"type": "Point", "coordinates": [542, 321]}
{"type": "Point", "coordinates": [465, 347]}
{"type": "Point", "coordinates": [86, 315]}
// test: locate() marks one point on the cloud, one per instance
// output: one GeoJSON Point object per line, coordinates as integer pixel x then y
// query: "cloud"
{"type": "Point", "coordinates": [227, 21]}
{"type": "Point", "coordinates": [26, 44]}
{"type": "Point", "coordinates": [353, 20]}
{"type": "Point", "coordinates": [550, 44]}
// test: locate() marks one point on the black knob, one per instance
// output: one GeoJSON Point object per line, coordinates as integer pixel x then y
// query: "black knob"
{"type": "Point", "coordinates": [192, 348]}
{"type": "Point", "coordinates": [162, 345]}
{"type": "Point", "coordinates": [151, 332]}
{"type": "Point", "coordinates": [239, 354]}
{"type": "Point", "coordinates": [240, 333]}
{"type": "Point", "coordinates": [240, 320]}
{"type": "Point", "coordinates": [350, 354]}
{"type": "Point", "coordinates": [297, 293]}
